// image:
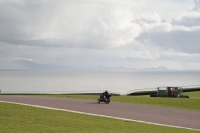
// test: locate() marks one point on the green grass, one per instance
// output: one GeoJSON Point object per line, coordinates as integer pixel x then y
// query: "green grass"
{"type": "Point", "coordinates": [184, 103]}
{"type": "Point", "coordinates": [24, 119]}
{"type": "Point", "coordinates": [195, 94]}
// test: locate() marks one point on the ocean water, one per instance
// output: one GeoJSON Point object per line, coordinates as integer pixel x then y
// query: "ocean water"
{"type": "Point", "coordinates": [121, 82]}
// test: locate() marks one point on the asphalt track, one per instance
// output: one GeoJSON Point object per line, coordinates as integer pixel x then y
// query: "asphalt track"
{"type": "Point", "coordinates": [153, 114]}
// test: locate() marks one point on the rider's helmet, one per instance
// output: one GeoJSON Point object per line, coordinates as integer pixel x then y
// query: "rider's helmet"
{"type": "Point", "coordinates": [106, 92]}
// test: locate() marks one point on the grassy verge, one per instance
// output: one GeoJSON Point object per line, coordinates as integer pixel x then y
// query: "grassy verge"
{"type": "Point", "coordinates": [23, 119]}
{"type": "Point", "coordinates": [184, 103]}
{"type": "Point", "coordinates": [195, 94]}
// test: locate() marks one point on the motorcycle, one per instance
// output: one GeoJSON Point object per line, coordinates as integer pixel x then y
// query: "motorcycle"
{"type": "Point", "coordinates": [105, 99]}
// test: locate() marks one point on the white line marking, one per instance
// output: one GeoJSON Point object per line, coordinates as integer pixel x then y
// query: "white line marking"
{"type": "Point", "coordinates": [119, 118]}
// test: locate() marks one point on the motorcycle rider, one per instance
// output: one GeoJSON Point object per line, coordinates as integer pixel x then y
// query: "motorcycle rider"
{"type": "Point", "coordinates": [104, 97]}
{"type": "Point", "coordinates": [104, 94]}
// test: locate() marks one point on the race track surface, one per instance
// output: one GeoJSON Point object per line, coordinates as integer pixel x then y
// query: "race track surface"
{"type": "Point", "coordinates": [162, 115]}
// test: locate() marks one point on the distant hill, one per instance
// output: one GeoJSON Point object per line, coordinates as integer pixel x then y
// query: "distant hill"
{"type": "Point", "coordinates": [160, 68]}
{"type": "Point", "coordinates": [30, 65]}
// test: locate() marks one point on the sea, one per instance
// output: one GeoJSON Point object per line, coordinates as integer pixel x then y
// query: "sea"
{"type": "Point", "coordinates": [114, 81]}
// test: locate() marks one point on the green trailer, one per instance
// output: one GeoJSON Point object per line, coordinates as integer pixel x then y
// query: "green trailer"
{"type": "Point", "coordinates": [176, 92]}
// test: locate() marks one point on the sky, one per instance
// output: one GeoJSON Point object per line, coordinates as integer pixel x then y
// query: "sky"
{"type": "Point", "coordinates": [93, 33]}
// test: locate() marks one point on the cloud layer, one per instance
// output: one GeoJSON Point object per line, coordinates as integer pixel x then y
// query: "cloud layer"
{"type": "Point", "coordinates": [101, 33]}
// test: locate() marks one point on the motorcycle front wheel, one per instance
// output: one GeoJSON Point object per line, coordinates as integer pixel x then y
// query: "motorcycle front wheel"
{"type": "Point", "coordinates": [107, 101]}
{"type": "Point", "coordinates": [98, 100]}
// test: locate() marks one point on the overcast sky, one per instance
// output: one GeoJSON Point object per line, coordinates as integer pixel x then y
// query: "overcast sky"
{"type": "Point", "coordinates": [89, 33]}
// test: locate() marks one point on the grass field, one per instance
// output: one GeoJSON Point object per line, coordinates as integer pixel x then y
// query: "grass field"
{"type": "Point", "coordinates": [195, 94]}
{"type": "Point", "coordinates": [24, 119]}
{"type": "Point", "coordinates": [185, 103]}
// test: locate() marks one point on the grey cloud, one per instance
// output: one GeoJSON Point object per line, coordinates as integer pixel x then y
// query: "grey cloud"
{"type": "Point", "coordinates": [182, 34]}
{"type": "Point", "coordinates": [13, 22]}
{"type": "Point", "coordinates": [186, 41]}
{"type": "Point", "coordinates": [188, 22]}
{"type": "Point", "coordinates": [197, 5]}
{"type": "Point", "coordinates": [47, 24]}
{"type": "Point", "coordinates": [188, 59]}
{"type": "Point", "coordinates": [191, 18]}
{"type": "Point", "coordinates": [95, 33]}
{"type": "Point", "coordinates": [93, 42]}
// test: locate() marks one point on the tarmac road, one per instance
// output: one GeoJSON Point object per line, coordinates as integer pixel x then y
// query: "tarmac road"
{"type": "Point", "coordinates": [161, 115]}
